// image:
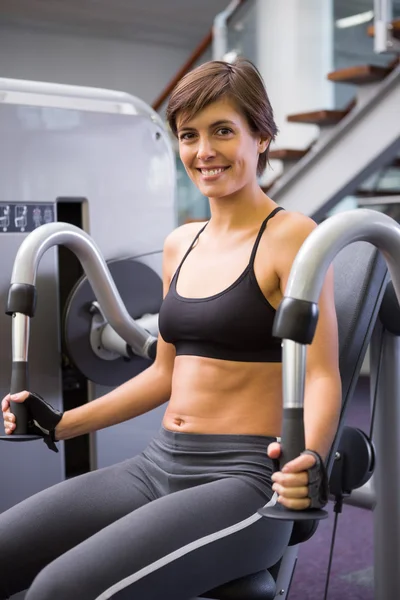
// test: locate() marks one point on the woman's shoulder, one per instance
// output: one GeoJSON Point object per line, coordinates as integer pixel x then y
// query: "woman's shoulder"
{"type": "Point", "coordinates": [181, 237]}
{"type": "Point", "coordinates": [291, 228]}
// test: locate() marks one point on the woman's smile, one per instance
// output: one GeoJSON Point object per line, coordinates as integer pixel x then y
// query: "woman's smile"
{"type": "Point", "coordinates": [211, 174]}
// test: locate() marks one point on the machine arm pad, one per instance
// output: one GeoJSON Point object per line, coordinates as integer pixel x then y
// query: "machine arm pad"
{"type": "Point", "coordinates": [318, 485]}
{"type": "Point", "coordinates": [43, 419]}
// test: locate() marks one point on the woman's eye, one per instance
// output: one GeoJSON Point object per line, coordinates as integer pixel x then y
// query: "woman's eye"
{"type": "Point", "coordinates": [224, 131]}
{"type": "Point", "coordinates": [186, 136]}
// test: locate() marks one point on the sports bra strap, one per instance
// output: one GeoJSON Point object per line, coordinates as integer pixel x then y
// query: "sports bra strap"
{"type": "Point", "coordinates": [262, 229]}
{"type": "Point", "coordinates": [191, 247]}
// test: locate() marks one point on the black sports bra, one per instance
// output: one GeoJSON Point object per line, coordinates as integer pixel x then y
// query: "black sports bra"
{"type": "Point", "coordinates": [235, 324]}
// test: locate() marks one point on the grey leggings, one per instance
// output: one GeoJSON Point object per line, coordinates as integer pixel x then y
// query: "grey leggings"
{"type": "Point", "coordinates": [173, 522]}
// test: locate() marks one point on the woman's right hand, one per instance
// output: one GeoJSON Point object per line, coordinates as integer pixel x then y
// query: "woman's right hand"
{"type": "Point", "coordinates": [8, 417]}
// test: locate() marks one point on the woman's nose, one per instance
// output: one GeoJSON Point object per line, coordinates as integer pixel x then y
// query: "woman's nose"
{"type": "Point", "coordinates": [205, 149]}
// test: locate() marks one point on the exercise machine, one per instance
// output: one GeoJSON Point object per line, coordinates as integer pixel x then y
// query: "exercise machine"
{"type": "Point", "coordinates": [362, 245]}
{"type": "Point", "coordinates": [101, 161]}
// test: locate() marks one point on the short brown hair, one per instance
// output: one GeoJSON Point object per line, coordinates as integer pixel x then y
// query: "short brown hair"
{"type": "Point", "coordinates": [241, 82]}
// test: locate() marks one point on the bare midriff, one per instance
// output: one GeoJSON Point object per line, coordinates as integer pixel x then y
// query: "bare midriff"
{"type": "Point", "coordinates": [224, 397]}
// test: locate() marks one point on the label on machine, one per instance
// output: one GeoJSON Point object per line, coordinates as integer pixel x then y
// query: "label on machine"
{"type": "Point", "coordinates": [16, 217]}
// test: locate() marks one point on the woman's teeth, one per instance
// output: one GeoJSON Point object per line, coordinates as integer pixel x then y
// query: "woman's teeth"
{"type": "Point", "coordinates": [212, 171]}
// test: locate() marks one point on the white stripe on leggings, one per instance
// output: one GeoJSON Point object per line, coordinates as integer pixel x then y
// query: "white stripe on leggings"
{"type": "Point", "coordinates": [165, 560]}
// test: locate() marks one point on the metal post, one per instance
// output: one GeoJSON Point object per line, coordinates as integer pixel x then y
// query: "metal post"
{"type": "Point", "coordinates": [386, 437]}
{"type": "Point", "coordinates": [383, 38]}
{"type": "Point", "coordinates": [220, 30]}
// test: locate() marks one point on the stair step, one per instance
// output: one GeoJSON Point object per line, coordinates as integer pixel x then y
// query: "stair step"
{"type": "Point", "coordinates": [319, 117]}
{"type": "Point", "coordinates": [287, 154]}
{"type": "Point", "coordinates": [395, 30]}
{"type": "Point", "coordinates": [359, 74]}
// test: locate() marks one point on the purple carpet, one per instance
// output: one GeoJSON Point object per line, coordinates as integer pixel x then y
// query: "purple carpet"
{"type": "Point", "coordinates": [352, 566]}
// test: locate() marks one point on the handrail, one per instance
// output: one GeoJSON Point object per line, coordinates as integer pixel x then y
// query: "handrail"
{"type": "Point", "coordinates": [193, 58]}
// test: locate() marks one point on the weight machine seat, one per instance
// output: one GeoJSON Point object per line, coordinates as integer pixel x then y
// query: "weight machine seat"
{"type": "Point", "coordinates": [360, 275]}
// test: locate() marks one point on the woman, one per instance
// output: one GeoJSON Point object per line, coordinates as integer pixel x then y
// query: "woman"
{"type": "Point", "coordinates": [182, 517]}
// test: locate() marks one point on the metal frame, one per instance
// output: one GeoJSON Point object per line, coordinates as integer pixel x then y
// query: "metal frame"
{"type": "Point", "coordinates": [220, 30]}
{"type": "Point", "coordinates": [84, 247]}
{"type": "Point", "coordinates": [383, 38]}
{"type": "Point", "coordinates": [305, 284]}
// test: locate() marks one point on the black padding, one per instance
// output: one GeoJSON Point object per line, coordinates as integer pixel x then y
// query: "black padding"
{"type": "Point", "coordinates": [21, 299]}
{"type": "Point", "coordinates": [292, 435]}
{"type": "Point", "coordinates": [296, 320]}
{"type": "Point", "coordinates": [140, 288]}
{"type": "Point", "coordinates": [260, 586]}
{"type": "Point", "coordinates": [361, 276]}
{"type": "Point", "coordinates": [389, 313]}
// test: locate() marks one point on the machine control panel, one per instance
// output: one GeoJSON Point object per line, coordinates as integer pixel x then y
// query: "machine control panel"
{"type": "Point", "coordinates": [16, 217]}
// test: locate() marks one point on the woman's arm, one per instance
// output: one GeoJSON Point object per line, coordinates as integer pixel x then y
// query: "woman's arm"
{"type": "Point", "coordinates": [146, 391]}
{"type": "Point", "coordinates": [142, 393]}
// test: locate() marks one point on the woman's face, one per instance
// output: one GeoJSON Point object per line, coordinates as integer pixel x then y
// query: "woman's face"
{"type": "Point", "coordinates": [218, 150]}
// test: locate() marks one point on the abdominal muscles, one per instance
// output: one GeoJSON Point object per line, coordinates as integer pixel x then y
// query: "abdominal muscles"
{"type": "Point", "coordinates": [221, 397]}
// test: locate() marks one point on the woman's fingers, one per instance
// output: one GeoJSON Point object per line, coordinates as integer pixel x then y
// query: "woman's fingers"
{"type": "Point", "coordinates": [294, 504]}
{"type": "Point", "coordinates": [8, 417]}
{"type": "Point", "coordinates": [5, 403]}
{"type": "Point", "coordinates": [291, 479]}
{"type": "Point", "coordinates": [291, 492]}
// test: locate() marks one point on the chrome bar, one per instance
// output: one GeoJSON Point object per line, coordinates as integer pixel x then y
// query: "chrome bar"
{"type": "Point", "coordinates": [293, 373]}
{"type": "Point", "coordinates": [20, 337]}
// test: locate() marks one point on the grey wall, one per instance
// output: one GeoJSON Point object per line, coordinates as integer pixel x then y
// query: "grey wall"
{"type": "Point", "coordinates": [140, 69]}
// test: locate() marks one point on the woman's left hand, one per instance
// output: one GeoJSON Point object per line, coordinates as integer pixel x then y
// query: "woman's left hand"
{"type": "Point", "coordinates": [291, 484]}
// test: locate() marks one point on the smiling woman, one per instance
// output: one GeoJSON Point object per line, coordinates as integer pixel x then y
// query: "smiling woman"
{"type": "Point", "coordinates": [182, 517]}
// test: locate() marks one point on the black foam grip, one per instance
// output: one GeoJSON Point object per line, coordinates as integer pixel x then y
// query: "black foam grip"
{"type": "Point", "coordinates": [296, 320]}
{"type": "Point", "coordinates": [19, 383]}
{"type": "Point", "coordinates": [293, 437]}
{"type": "Point", "coordinates": [21, 299]}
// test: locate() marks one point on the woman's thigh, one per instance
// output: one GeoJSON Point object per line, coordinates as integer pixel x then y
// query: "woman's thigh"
{"type": "Point", "coordinates": [38, 530]}
{"type": "Point", "coordinates": [177, 546]}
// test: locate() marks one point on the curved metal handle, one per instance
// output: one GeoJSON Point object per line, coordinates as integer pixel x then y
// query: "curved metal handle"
{"type": "Point", "coordinates": [86, 250]}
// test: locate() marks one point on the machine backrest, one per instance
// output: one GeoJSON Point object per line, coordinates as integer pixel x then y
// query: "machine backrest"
{"type": "Point", "coordinates": [360, 275]}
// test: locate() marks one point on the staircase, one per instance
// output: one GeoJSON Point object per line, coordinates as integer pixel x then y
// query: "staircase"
{"type": "Point", "coordinates": [353, 142]}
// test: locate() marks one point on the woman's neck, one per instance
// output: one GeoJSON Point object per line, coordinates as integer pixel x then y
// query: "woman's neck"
{"type": "Point", "coordinates": [239, 211]}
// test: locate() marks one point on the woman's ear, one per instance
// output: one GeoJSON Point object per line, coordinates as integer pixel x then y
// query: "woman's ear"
{"type": "Point", "coordinates": [263, 144]}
